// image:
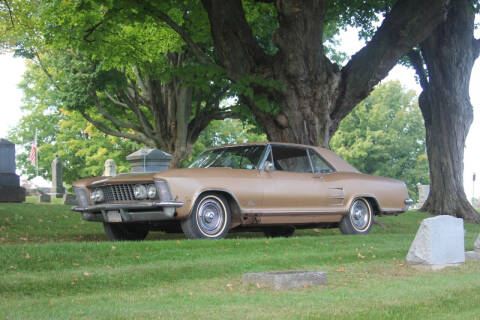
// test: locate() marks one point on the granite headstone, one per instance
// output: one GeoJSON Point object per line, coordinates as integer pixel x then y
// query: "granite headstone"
{"type": "Point", "coordinates": [439, 243]}
{"type": "Point", "coordinates": [57, 179]}
{"type": "Point", "coordinates": [10, 190]}
{"type": "Point", "coordinates": [149, 160]}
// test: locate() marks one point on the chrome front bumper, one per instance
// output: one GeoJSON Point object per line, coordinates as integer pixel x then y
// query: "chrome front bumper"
{"type": "Point", "coordinates": [130, 212]}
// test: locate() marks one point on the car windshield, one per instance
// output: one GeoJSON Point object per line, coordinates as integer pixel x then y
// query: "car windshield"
{"type": "Point", "coordinates": [245, 157]}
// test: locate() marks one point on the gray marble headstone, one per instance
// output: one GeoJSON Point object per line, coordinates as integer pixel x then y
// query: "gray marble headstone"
{"type": "Point", "coordinates": [10, 190]}
{"type": "Point", "coordinates": [57, 179]}
{"type": "Point", "coordinates": [439, 243]}
{"type": "Point", "coordinates": [475, 254]}
{"type": "Point", "coordinates": [149, 160]}
{"type": "Point", "coordinates": [110, 168]}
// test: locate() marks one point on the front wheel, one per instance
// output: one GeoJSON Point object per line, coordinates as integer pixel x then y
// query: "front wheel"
{"type": "Point", "coordinates": [359, 219]}
{"type": "Point", "coordinates": [209, 219]}
{"type": "Point", "coordinates": [125, 231]}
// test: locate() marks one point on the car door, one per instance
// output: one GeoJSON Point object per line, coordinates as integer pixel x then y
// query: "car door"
{"type": "Point", "coordinates": [293, 187]}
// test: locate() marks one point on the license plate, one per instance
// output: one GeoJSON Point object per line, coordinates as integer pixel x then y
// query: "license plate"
{"type": "Point", "coordinates": [114, 216]}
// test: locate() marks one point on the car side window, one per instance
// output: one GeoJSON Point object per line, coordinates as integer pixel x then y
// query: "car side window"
{"type": "Point", "coordinates": [292, 159]}
{"type": "Point", "coordinates": [319, 165]}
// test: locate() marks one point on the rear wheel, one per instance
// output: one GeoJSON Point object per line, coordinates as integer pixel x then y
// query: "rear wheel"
{"type": "Point", "coordinates": [359, 219]}
{"type": "Point", "coordinates": [275, 232]}
{"type": "Point", "coordinates": [125, 231]}
{"type": "Point", "coordinates": [209, 219]}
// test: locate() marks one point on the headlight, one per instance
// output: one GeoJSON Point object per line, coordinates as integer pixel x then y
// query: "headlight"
{"type": "Point", "coordinates": [93, 194]}
{"type": "Point", "coordinates": [151, 191]}
{"type": "Point", "coordinates": [97, 195]}
{"type": "Point", "coordinates": [140, 192]}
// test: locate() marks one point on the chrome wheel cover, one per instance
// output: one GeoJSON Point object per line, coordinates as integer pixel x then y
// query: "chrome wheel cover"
{"type": "Point", "coordinates": [360, 215]}
{"type": "Point", "coordinates": [211, 216]}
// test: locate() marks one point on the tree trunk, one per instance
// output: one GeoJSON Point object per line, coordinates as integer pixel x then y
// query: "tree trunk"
{"type": "Point", "coordinates": [449, 54]}
{"type": "Point", "coordinates": [317, 95]}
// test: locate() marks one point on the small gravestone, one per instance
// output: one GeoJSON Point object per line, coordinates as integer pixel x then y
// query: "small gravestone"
{"type": "Point", "coordinates": [285, 280]}
{"type": "Point", "coordinates": [43, 197]}
{"type": "Point", "coordinates": [10, 190]}
{"type": "Point", "coordinates": [110, 168]}
{"type": "Point", "coordinates": [475, 254]}
{"type": "Point", "coordinates": [57, 190]}
{"type": "Point", "coordinates": [149, 160]}
{"type": "Point", "coordinates": [69, 199]}
{"type": "Point", "coordinates": [439, 243]}
{"type": "Point", "coordinates": [423, 191]}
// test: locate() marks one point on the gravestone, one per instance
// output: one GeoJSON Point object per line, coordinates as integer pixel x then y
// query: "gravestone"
{"type": "Point", "coordinates": [69, 199]}
{"type": "Point", "coordinates": [10, 190]}
{"type": "Point", "coordinates": [43, 197]}
{"type": "Point", "coordinates": [110, 168]}
{"type": "Point", "coordinates": [439, 243]}
{"type": "Point", "coordinates": [475, 254]}
{"type": "Point", "coordinates": [285, 280]}
{"type": "Point", "coordinates": [57, 190]}
{"type": "Point", "coordinates": [423, 192]}
{"type": "Point", "coordinates": [149, 160]}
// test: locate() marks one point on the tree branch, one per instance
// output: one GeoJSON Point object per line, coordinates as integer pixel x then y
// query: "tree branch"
{"type": "Point", "coordinates": [408, 24]}
{"type": "Point", "coordinates": [10, 13]}
{"type": "Point", "coordinates": [417, 62]}
{"type": "Point", "coordinates": [107, 130]}
{"type": "Point", "coordinates": [108, 116]}
{"type": "Point", "coordinates": [237, 48]}
{"type": "Point", "coordinates": [91, 30]}
{"type": "Point", "coordinates": [199, 54]}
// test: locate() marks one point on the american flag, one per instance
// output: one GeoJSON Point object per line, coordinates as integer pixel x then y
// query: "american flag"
{"type": "Point", "coordinates": [33, 151]}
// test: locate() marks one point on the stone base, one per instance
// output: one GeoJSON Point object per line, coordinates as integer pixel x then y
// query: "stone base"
{"type": "Point", "coordinates": [56, 195]}
{"type": "Point", "coordinates": [285, 280]}
{"type": "Point", "coordinates": [472, 255]}
{"type": "Point", "coordinates": [434, 267]}
{"type": "Point", "coordinates": [43, 197]}
{"type": "Point", "coordinates": [69, 199]}
{"type": "Point", "coordinates": [12, 194]}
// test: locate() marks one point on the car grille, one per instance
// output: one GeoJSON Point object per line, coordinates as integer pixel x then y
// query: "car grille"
{"type": "Point", "coordinates": [118, 192]}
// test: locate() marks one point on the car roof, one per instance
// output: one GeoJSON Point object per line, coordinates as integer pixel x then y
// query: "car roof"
{"type": "Point", "coordinates": [331, 157]}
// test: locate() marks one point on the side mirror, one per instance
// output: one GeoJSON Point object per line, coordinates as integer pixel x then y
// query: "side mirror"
{"type": "Point", "coordinates": [268, 166]}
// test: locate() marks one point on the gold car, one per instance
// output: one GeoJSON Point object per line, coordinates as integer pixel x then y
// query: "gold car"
{"type": "Point", "coordinates": [269, 187]}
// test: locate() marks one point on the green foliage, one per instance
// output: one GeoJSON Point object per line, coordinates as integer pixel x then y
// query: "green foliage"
{"type": "Point", "coordinates": [385, 135]}
{"type": "Point", "coordinates": [81, 147]}
{"type": "Point", "coordinates": [228, 131]}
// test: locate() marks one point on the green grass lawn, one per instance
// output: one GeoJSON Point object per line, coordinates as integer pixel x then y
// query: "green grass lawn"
{"type": "Point", "coordinates": [56, 266]}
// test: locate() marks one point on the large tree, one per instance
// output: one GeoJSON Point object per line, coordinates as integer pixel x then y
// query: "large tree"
{"type": "Point", "coordinates": [444, 63]}
{"type": "Point", "coordinates": [314, 94]}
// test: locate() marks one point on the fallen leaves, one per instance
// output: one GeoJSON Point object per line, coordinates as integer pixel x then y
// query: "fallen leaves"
{"type": "Point", "coordinates": [341, 269]}
{"type": "Point", "coordinates": [13, 268]}
{"type": "Point", "coordinates": [360, 256]}
{"type": "Point", "coordinates": [86, 274]}
{"type": "Point", "coordinates": [113, 247]}
{"type": "Point", "coordinates": [27, 256]}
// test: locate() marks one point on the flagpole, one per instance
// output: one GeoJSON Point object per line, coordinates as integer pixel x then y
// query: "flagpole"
{"type": "Point", "coordinates": [35, 142]}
